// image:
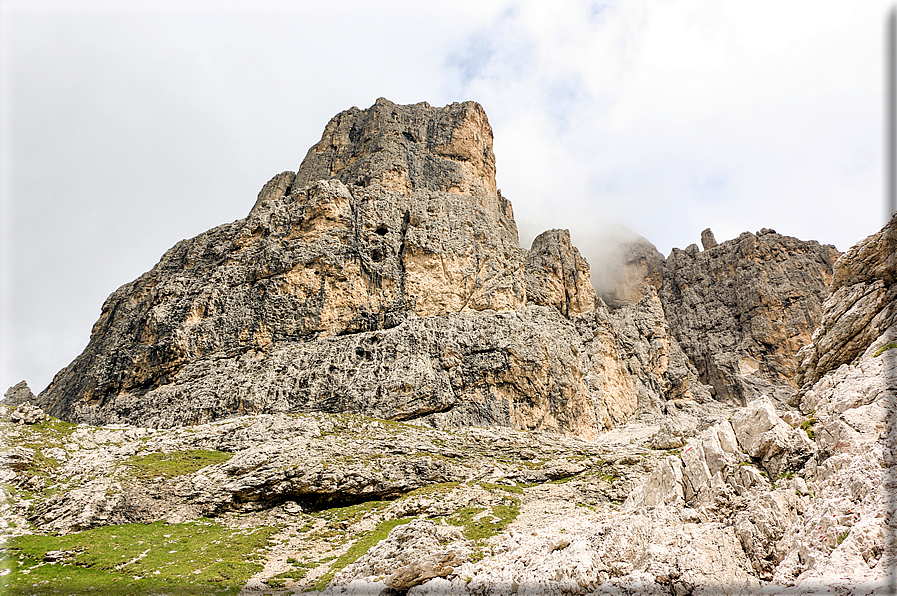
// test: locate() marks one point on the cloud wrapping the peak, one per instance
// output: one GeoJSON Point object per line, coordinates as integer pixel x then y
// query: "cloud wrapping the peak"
{"type": "Point", "coordinates": [669, 117]}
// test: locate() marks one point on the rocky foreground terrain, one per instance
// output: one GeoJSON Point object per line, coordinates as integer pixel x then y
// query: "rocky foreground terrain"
{"type": "Point", "coordinates": [368, 387]}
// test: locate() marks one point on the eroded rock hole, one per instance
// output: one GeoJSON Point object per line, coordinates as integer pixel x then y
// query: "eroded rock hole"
{"type": "Point", "coordinates": [381, 231]}
{"type": "Point", "coordinates": [377, 255]}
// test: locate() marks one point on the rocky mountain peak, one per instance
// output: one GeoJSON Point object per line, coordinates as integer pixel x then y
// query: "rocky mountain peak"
{"type": "Point", "coordinates": [742, 309]}
{"type": "Point", "coordinates": [406, 148]}
{"type": "Point", "coordinates": [385, 278]}
{"type": "Point", "coordinates": [557, 275]}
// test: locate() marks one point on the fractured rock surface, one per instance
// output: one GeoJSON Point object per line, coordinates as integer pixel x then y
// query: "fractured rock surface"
{"type": "Point", "coordinates": [861, 305]}
{"type": "Point", "coordinates": [558, 276]}
{"type": "Point", "coordinates": [741, 310]}
{"type": "Point", "coordinates": [392, 219]}
{"type": "Point", "coordinates": [383, 278]}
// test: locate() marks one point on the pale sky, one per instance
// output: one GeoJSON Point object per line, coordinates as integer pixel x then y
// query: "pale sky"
{"type": "Point", "coordinates": [126, 126]}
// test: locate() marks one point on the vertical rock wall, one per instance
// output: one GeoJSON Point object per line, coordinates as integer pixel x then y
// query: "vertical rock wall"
{"type": "Point", "coordinates": [861, 306]}
{"type": "Point", "coordinates": [385, 278]}
{"type": "Point", "coordinates": [742, 309]}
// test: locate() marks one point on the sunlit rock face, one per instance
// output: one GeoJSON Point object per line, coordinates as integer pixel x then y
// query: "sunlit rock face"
{"type": "Point", "coordinates": [558, 276]}
{"type": "Point", "coordinates": [385, 277]}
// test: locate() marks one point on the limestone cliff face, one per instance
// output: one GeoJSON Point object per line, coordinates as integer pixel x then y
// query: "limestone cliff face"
{"type": "Point", "coordinates": [861, 306]}
{"type": "Point", "coordinates": [423, 180]}
{"type": "Point", "coordinates": [407, 148]}
{"type": "Point", "coordinates": [742, 309]}
{"type": "Point", "coordinates": [558, 276]}
{"type": "Point", "coordinates": [383, 278]}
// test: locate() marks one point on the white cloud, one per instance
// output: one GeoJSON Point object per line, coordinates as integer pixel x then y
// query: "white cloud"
{"type": "Point", "coordinates": [672, 116]}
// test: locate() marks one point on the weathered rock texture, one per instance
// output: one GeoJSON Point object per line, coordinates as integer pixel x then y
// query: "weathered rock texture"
{"type": "Point", "coordinates": [408, 147]}
{"type": "Point", "coordinates": [393, 216]}
{"type": "Point", "coordinates": [313, 459]}
{"type": "Point", "coordinates": [411, 555]}
{"type": "Point", "coordinates": [383, 278]}
{"type": "Point", "coordinates": [18, 394]}
{"type": "Point", "coordinates": [558, 276]}
{"type": "Point", "coordinates": [741, 310]}
{"type": "Point", "coordinates": [862, 304]}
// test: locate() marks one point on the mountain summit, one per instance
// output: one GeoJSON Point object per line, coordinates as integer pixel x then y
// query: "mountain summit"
{"type": "Point", "coordinates": [385, 278]}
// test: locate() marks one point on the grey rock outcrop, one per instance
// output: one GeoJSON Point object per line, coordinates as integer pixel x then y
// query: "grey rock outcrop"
{"type": "Point", "coordinates": [411, 148]}
{"type": "Point", "coordinates": [810, 499]}
{"type": "Point", "coordinates": [769, 440]}
{"type": "Point", "coordinates": [861, 306]}
{"type": "Point", "coordinates": [411, 555]}
{"type": "Point", "coordinates": [375, 280]}
{"type": "Point", "coordinates": [315, 460]}
{"type": "Point", "coordinates": [759, 501]}
{"type": "Point", "coordinates": [708, 240]}
{"type": "Point", "coordinates": [842, 537]}
{"type": "Point", "coordinates": [376, 373]}
{"type": "Point", "coordinates": [657, 365]}
{"type": "Point", "coordinates": [383, 278]}
{"type": "Point", "coordinates": [743, 309]}
{"type": "Point", "coordinates": [26, 413]}
{"type": "Point", "coordinates": [617, 553]}
{"type": "Point", "coordinates": [815, 512]}
{"type": "Point", "coordinates": [521, 368]}
{"type": "Point", "coordinates": [315, 258]}
{"type": "Point", "coordinates": [18, 394]}
{"type": "Point", "coordinates": [740, 311]}
{"type": "Point", "coordinates": [558, 276]}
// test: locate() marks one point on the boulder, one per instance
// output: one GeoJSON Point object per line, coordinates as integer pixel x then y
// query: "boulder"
{"type": "Point", "coordinates": [26, 413]}
{"type": "Point", "coordinates": [769, 439]}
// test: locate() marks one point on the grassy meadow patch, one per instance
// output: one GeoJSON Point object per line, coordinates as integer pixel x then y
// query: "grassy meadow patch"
{"type": "Point", "coordinates": [192, 558]}
{"type": "Point", "coordinates": [176, 463]}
